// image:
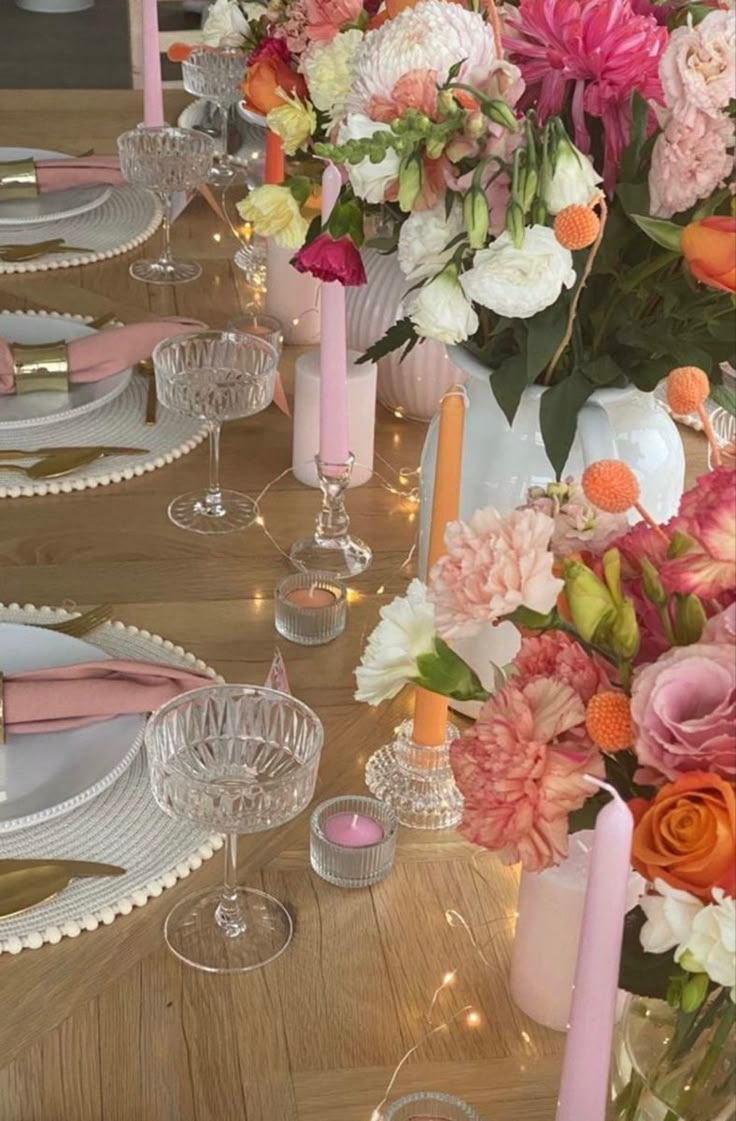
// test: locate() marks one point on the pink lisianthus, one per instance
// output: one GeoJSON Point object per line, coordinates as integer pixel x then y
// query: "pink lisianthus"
{"type": "Point", "coordinates": [698, 68]}
{"type": "Point", "coordinates": [493, 565]}
{"type": "Point", "coordinates": [272, 46]}
{"type": "Point", "coordinates": [683, 711]}
{"type": "Point", "coordinates": [593, 52]}
{"type": "Point", "coordinates": [521, 771]}
{"type": "Point", "coordinates": [578, 525]}
{"type": "Point", "coordinates": [330, 258]}
{"type": "Point", "coordinates": [721, 627]}
{"type": "Point", "coordinates": [325, 18]}
{"type": "Point", "coordinates": [558, 656]}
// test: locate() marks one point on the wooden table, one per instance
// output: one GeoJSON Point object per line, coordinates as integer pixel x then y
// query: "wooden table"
{"type": "Point", "coordinates": [109, 1026]}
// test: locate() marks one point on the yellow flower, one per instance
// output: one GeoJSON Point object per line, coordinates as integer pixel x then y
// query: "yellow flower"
{"type": "Point", "coordinates": [294, 122]}
{"type": "Point", "coordinates": [274, 212]}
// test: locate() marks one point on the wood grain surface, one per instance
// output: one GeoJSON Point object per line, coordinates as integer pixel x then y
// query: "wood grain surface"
{"type": "Point", "coordinates": [109, 1026]}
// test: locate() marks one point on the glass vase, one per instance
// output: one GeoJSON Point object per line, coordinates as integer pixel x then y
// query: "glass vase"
{"type": "Point", "coordinates": [669, 1065]}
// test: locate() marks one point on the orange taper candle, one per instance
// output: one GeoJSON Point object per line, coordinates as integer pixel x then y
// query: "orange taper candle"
{"type": "Point", "coordinates": [430, 709]}
{"type": "Point", "coordinates": [274, 158]}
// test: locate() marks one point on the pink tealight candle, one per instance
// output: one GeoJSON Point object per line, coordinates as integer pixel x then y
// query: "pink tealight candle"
{"type": "Point", "coordinates": [311, 597]}
{"type": "Point", "coordinates": [352, 831]}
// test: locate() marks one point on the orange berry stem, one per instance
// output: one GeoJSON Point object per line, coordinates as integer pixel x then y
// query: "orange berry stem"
{"type": "Point", "coordinates": [650, 521]}
{"type": "Point", "coordinates": [710, 435]}
{"type": "Point", "coordinates": [600, 201]}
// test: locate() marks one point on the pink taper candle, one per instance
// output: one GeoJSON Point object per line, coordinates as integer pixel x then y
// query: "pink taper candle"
{"type": "Point", "coordinates": [585, 1070]}
{"type": "Point", "coordinates": [333, 399]}
{"type": "Point", "coordinates": [153, 95]}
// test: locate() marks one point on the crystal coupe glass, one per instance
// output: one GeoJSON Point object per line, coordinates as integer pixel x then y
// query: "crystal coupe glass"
{"type": "Point", "coordinates": [165, 160]}
{"type": "Point", "coordinates": [216, 376]}
{"type": "Point", "coordinates": [216, 75]}
{"type": "Point", "coordinates": [234, 759]}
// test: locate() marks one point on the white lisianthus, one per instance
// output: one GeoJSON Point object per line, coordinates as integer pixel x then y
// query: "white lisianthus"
{"type": "Point", "coordinates": [519, 283]}
{"type": "Point", "coordinates": [405, 633]}
{"type": "Point", "coordinates": [226, 24]}
{"type": "Point", "coordinates": [670, 915]}
{"type": "Point", "coordinates": [369, 180]}
{"type": "Point", "coordinates": [424, 238]}
{"type": "Point", "coordinates": [441, 310]}
{"type": "Point", "coordinates": [711, 945]}
{"type": "Point", "coordinates": [328, 68]}
{"type": "Point", "coordinates": [573, 181]}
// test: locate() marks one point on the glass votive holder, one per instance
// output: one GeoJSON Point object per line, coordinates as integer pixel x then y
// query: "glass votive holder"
{"type": "Point", "coordinates": [310, 607]}
{"type": "Point", "coordinates": [427, 1106]}
{"type": "Point", "coordinates": [352, 840]}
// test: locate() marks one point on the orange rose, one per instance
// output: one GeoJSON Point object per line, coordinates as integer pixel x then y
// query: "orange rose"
{"type": "Point", "coordinates": [266, 81]}
{"type": "Point", "coordinates": [686, 835]}
{"type": "Point", "coordinates": [709, 247]}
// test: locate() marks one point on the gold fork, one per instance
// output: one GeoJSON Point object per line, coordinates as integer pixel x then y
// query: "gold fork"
{"type": "Point", "coordinates": [84, 623]}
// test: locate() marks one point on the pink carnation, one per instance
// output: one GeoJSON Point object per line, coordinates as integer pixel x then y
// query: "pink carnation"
{"type": "Point", "coordinates": [683, 708]}
{"type": "Point", "coordinates": [556, 655]}
{"type": "Point", "coordinates": [698, 68]}
{"type": "Point", "coordinates": [689, 162]}
{"type": "Point", "coordinates": [521, 770]}
{"type": "Point", "coordinates": [707, 514]}
{"type": "Point", "coordinates": [493, 565]}
{"type": "Point", "coordinates": [325, 18]}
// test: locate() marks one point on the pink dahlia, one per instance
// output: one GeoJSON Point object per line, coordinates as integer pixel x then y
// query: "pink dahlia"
{"type": "Point", "coordinates": [521, 770]}
{"type": "Point", "coordinates": [595, 51]}
{"type": "Point", "coordinates": [493, 565]}
{"type": "Point", "coordinates": [557, 656]}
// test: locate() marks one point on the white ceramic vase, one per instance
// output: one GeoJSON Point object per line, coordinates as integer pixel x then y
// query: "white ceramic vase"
{"type": "Point", "coordinates": [415, 386]}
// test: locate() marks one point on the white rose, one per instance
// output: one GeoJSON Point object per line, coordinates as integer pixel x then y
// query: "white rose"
{"type": "Point", "coordinates": [670, 914]}
{"type": "Point", "coordinates": [389, 661]}
{"type": "Point", "coordinates": [328, 68]}
{"type": "Point", "coordinates": [226, 25]}
{"type": "Point", "coordinates": [518, 283]}
{"type": "Point", "coordinates": [424, 238]}
{"type": "Point", "coordinates": [573, 182]}
{"type": "Point", "coordinates": [369, 180]}
{"type": "Point", "coordinates": [711, 946]}
{"type": "Point", "coordinates": [441, 311]}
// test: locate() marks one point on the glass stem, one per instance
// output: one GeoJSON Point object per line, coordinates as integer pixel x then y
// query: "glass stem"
{"type": "Point", "coordinates": [222, 142]}
{"type": "Point", "coordinates": [228, 915]}
{"type": "Point", "coordinates": [167, 204]}
{"type": "Point", "coordinates": [213, 498]}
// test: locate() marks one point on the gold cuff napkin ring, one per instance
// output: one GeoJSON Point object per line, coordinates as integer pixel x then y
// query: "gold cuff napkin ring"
{"type": "Point", "coordinates": [18, 180]}
{"type": "Point", "coordinates": [41, 367]}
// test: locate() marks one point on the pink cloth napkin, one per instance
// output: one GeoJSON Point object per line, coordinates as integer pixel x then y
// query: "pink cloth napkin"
{"type": "Point", "coordinates": [105, 352]}
{"type": "Point", "coordinates": [86, 171]}
{"type": "Point", "coordinates": [50, 700]}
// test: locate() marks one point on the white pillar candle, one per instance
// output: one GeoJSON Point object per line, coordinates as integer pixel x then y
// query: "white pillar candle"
{"type": "Point", "coordinates": [550, 916]}
{"type": "Point", "coordinates": [292, 297]}
{"type": "Point", "coordinates": [361, 417]}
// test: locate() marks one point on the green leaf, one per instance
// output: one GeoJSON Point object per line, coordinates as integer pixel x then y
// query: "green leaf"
{"type": "Point", "coordinates": [638, 118]}
{"type": "Point", "coordinates": [445, 672]}
{"type": "Point", "coordinates": [401, 333]}
{"type": "Point", "coordinates": [543, 334]}
{"type": "Point", "coordinates": [558, 416]}
{"type": "Point", "coordinates": [724, 396]}
{"type": "Point", "coordinates": [533, 620]}
{"type": "Point", "coordinates": [300, 187]}
{"type": "Point", "coordinates": [508, 383]}
{"type": "Point", "coordinates": [634, 198]}
{"type": "Point", "coordinates": [641, 973]}
{"type": "Point", "coordinates": [667, 234]}
{"type": "Point", "coordinates": [604, 370]}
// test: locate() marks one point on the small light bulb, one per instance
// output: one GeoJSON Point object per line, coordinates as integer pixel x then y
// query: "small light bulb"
{"type": "Point", "coordinates": [217, 237]}
{"type": "Point", "coordinates": [295, 322]}
{"type": "Point", "coordinates": [473, 1019]}
{"type": "Point", "coordinates": [380, 591]}
{"type": "Point", "coordinates": [259, 520]}
{"type": "Point", "coordinates": [448, 978]}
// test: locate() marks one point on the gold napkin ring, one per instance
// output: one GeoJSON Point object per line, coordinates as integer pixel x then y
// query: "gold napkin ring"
{"type": "Point", "coordinates": [41, 367]}
{"type": "Point", "coordinates": [2, 711]}
{"type": "Point", "coordinates": [18, 179]}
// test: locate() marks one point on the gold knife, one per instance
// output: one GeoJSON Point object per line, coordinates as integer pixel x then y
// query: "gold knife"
{"type": "Point", "coordinates": [54, 466]}
{"type": "Point", "coordinates": [25, 883]}
{"type": "Point", "coordinates": [61, 449]}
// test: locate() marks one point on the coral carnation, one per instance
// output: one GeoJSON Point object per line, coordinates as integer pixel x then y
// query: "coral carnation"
{"type": "Point", "coordinates": [557, 655]}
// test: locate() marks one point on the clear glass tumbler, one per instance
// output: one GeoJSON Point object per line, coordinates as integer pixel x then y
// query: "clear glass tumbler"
{"type": "Point", "coordinates": [234, 759]}
{"type": "Point", "coordinates": [216, 376]}
{"type": "Point", "coordinates": [165, 160]}
{"type": "Point", "coordinates": [216, 75]}
{"type": "Point", "coordinates": [262, 326]}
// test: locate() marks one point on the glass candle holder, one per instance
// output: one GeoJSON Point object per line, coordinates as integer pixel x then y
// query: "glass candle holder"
{"type": "Point", "coordinates": [352, 840]}
{"type": "Point", "coordinates": [427, 1106]}
{"type": "Point", "coordinates": [310, 608]}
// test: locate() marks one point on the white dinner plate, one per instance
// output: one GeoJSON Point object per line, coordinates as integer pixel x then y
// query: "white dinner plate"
{"type": "Point", "coordinates": [47, 774]}
{"type": "Point", "coordinates": [50, 205]}
{"type": "Point", "coordinates": [25, 410]}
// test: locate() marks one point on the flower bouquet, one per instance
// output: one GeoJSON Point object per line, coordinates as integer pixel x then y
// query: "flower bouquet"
{"type": "Point", "coordinates": [626, 671]}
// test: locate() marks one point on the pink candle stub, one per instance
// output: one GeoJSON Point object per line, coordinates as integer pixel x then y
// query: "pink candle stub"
{"type": "Point", "coordinates": [311, 597]}
{"type": "Point", "coordinates": [352, 831]}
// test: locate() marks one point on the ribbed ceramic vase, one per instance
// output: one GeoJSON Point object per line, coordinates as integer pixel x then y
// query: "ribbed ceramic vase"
{"type": "Point", "coordinates": [415, 386]}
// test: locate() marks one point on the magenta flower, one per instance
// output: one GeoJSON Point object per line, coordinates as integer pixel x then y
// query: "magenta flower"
{"type": "Point", "coordinates": [328, 259]}
{"type": "Point", "coordinates": [272, 46]}
{"type": "Point", "coordinates": [595, 51]}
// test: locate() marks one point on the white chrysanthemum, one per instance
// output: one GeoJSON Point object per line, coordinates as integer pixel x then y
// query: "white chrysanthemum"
{"type": "Point", "coordinates": [432, 36]}
{"type": "Point", "coordinates": [389, 662]}
{"type": "Point", "coordinates": [518, 283]}
{"type": "Point", "coordinates": [424, 238]}
{"type": "Point", "coordinates": [328, 68]}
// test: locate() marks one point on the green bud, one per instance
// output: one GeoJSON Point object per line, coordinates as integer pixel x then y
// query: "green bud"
{"type": "Point", "coordinates": [674, 991]}
{"type": "Point", "coordinates": [499, 112]}
{"type": "Point", "coordinates": [690, 619]}
{"type": "Point", "coordinates": [475, 125]}
{"type": "Point", "coordinates": [694, 992]}
{"type": "Point", "coordinates": [612, 573]}
{"type": "Point", "coordinates": [475, 213]}
{"type": "Point", "coordinates": [539, 213]}
{"type": "Point", "coordinates": [653, 589]}
{"type": "Point", "coordinates": [443, 671]}
{"type": "Point", "coordinates": [515, 224]}
{"type": "Point", "coordinates": [590, 602]}
{"type": "Point", "coordinates": [410, 182]}
{"type": "Point", "coordinates": [624, 638]}
{"type": "Point", "coordinates": [530, 188]}
{"type": "Point", "coordinates": [689, 962]}
{"type": "Point", "coordinates": [446, 102]}
{"type": "Point", "coordinates": [435, 146]}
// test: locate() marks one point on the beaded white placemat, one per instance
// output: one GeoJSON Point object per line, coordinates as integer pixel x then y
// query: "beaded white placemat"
{"type": "Point", "coordinates": [121, 423]}
{"type": "Point", "coordinates": [123, 825]}
{"type": "Point", "coordinates": [126, 219]}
